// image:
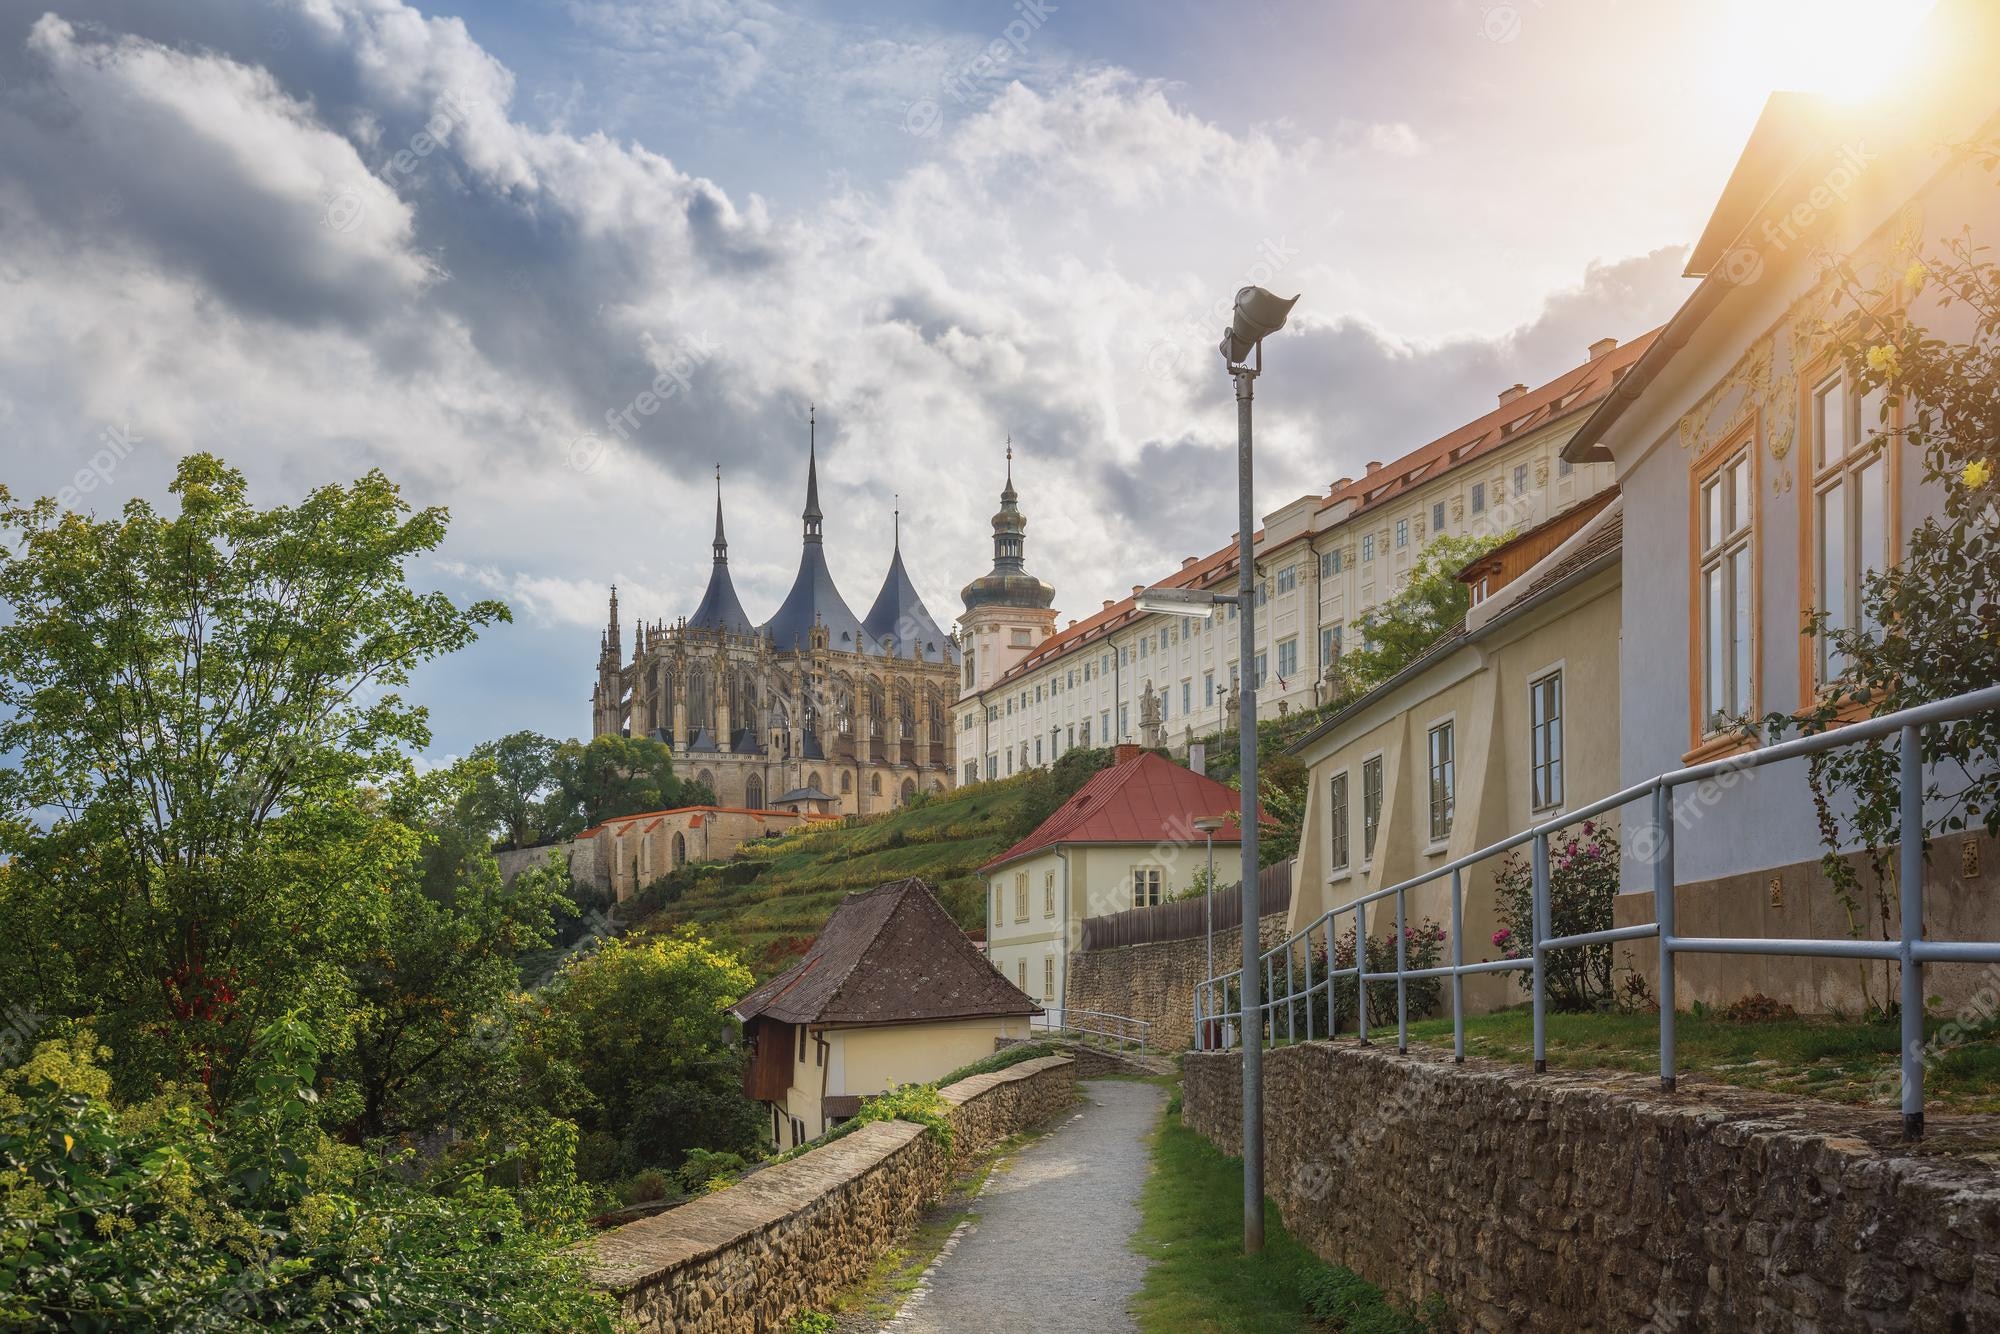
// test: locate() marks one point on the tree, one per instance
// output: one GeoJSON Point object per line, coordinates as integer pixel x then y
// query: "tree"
{"type": "Point", "coordinates": [425, 1054]}
{"type": "Point", "coordinates": [629, 1039]}
{"type": "Point", "coordinates": [611, 776]}
{"type": "Point", "coordinates": [1432, 601]}
{"type": "Point", "coordinates": [1929, 626]}
{"type": "Point", "coordinates": [511, 794]}
{"type": "Point", "coordinates": [193, 706]}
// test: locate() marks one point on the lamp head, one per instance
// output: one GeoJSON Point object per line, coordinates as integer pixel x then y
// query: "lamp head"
{"type": "Point", "coordinates": [1258, 315]}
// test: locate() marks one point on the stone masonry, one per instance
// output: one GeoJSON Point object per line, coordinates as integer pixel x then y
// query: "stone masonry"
{"type": "Point", "coordinates": [786, 1239]}
{"type": "Point", "coordinates": [1589, 1201]}
{"type": "Point", "coordinates": [1156, 981]}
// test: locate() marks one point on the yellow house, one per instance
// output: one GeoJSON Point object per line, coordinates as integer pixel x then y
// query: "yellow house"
{"type": "Point", "coordinates": [892, 992]}
{"type": "Point", "coordinates": [1510, 718]}
{"type": "Point", "coordinates": [1126, 840]}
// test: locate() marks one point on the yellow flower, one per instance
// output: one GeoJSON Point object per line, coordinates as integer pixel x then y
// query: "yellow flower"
{"type": "Point", "coordinates": [1882, 360]}
{"type": "Point", "coordinates": [1913, 277]}
{"type": "Point", "coordinates": [68, 1144]}
{"type": "Point", "coordinates": [1977, 474]}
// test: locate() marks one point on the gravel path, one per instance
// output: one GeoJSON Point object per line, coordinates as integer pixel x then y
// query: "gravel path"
{"type": "Point", "coordinates": [1051, 1248]}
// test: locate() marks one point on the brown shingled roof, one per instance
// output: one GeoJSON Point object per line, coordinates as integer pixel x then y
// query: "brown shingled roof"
{"type": "Point", "coordinates": [888, 955]}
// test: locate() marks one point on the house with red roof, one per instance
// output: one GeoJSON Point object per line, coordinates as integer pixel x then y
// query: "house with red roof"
{"type": "Point", "coordinates": [1127, 839]}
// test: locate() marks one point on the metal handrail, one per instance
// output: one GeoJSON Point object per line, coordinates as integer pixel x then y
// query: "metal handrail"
{"type": "Point", "coordinates": [1213, 1021]}
{"type": "Point", "coordinates": [1095, 1023]}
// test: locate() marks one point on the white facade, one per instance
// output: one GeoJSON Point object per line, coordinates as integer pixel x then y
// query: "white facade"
{"type": "Point", "coordinates": [1322, 562]}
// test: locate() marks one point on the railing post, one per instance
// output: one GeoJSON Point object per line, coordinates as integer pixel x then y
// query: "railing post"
{"type": "Point", "coordinates": [1270, 987]}
{"type": "Point", "coordinates": [1402, 986]}
{"type": "Point", "coordinates": [1197, 1016]}
{"type": "Point", "coordinates": [1910, 862]}
{"type": "Point", "coordinates": [1663, 917]}
{"type": "Point", "coordinates": [1539, 912]}
{"type": "Point", "coordinates": [1306, 950]}
{"type": "Point", "coordinates": [1457, 962]}
{"type": "Point", "coordinates": [1291, 1011]}
{"type": "Point", "coordinates": [1361, 972]}
{"type": "Point", "coordinates": [1332, 984]}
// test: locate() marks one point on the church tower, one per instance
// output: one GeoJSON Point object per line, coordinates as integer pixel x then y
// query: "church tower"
{"type": "Point", "coordinates": [1008, 612]}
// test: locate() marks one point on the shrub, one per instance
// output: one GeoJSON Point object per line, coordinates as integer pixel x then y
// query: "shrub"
{"type": "Point", "coordinates": [1423, 946]}
{"type": "Point", "coordinates": [919, 1103]}
{"type": "Point", "coordinates": [704, 1170]}
{"type": "Point", "coordinates": [1583, 882]}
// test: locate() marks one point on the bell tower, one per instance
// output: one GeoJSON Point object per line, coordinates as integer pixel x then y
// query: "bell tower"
{"type": "Point", "coordinates": [1008, 612]}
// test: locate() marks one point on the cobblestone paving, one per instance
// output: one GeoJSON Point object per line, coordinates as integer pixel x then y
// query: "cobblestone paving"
{"type": "Point", "coordinates": [1051, 1246]}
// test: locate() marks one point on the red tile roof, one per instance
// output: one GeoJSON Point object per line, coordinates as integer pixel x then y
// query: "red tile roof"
{"type": "Point", "coordinates": [1144, 800]}
{"type": "Point", "coordinates": [1569, 393]}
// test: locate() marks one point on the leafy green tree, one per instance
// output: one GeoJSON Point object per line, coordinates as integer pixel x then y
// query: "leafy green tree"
{"type": "Point", "coordinates": [193, 705]}
{"type": "Point", "coordinates": [629, 1039]}
{"type": "Point", "coordinates": [1397, 632]}
{"type": "Point", "coordinates": [164, 1215]}
{"type": "Point", "coordinates": [611, 776]}
{"type": "Point", "coordinates": [511, 795]}
{"type": "Point", "coordinates": [426, 1052]}
{"type": "Point", "coordinates": [1929, 626]}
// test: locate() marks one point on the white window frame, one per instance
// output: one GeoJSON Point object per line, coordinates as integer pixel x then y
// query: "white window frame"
{"type": "Point", "coordinates": [1722, 560]}
{"type": "Point", "coordinates": [1339, 819]}
{"type": "Point", "coordinates": [1371, 832]}
{"type": "Point", "coordinates": [1447, 724]}
{"type": "Point", "coordinates": [1537, 762]}
{"type": "Point", "coordinates": [1148, 886]}
{"type": "Point", "coordinates": [1866, 447]}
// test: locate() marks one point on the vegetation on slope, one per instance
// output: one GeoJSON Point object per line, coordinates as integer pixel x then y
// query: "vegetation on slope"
{"type": "Point", "coordinates": [771, 899]}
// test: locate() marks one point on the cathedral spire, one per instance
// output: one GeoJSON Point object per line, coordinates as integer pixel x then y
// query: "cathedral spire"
{"type": "Point", "coordinates": [721, 542]}
{"type": "Point", "coordinates": [612, 640]}
{"type": "Point", "coordinates": [812, 514]}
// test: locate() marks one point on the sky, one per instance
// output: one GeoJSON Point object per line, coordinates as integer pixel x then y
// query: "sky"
{"type": "Point", "coordinates": [459, 243]}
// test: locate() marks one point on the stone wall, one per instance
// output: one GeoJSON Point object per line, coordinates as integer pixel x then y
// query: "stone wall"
{"type": "Point", "coordinates": [1156, 981]}
{"type": "Point", "coordinates": [788, 1238]}
{"type": "Point", "coordinates": [1578, 1201]}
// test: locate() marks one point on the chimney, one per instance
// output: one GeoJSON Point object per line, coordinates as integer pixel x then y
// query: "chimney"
{"type": "Point", "coordinates": [1374, 466]}
{"type": "Point", "coordinates": [1188, 560]}
{"type": "Point", "coordinates": [1342, 484]}
{"type": "Point", "coordinates": [1107, 604]}
{"type": "Point", "coordinates": [1072, 623]}
{"type": "Point", "coordinates": [1198, 757]}
{"type": "Point", "coordinates": [1137, 589]}
{"type": "Point", "coordinates": [1601, 346]}
{"type": "Point", "coordinates": [1124, 753]}
{"type": "Point", "coordinates": [1512, 392]}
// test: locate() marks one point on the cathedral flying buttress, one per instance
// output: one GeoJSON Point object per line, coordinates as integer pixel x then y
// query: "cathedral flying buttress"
{"type": "Point", "coordinates": [814, 709]}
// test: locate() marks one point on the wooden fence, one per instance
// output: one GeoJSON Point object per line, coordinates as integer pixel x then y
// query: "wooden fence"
{"type": "Point", "coordinates": [1188, 918]}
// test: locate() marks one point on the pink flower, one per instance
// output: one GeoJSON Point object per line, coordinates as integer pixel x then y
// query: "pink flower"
{"type": "Point", "coordinates": [1501, 937]}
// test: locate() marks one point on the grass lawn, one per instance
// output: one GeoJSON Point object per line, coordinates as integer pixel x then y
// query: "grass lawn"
{"type": "Point", "coordinates": [1841, 1060]}
{"type": "Point", "coordinates": [1191, 1228]}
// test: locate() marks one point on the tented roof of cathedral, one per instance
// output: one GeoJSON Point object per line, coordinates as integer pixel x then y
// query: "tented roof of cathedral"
{"type": "Point", "coordinates": [899, 617]}
{"type": "Point", "coordinates": [815, 599]}
{"type": "Point", "coordinates": [720, 609]}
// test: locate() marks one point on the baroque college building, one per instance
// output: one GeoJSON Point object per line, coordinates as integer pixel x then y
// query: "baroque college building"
{"type": "Point", "coordinates": [815, 707]}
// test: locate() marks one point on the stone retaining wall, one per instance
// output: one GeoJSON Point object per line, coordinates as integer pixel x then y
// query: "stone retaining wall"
{"type": "Point", "coordinates": [786, 1239]}
{"type": "Point", "coordinates": [1156, 981]}
{"type": "Point", "coordinates": [1583, 1201]}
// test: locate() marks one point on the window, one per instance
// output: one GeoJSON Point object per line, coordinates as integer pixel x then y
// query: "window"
{"type": "Point", "coordinates": [1207, 690]}
{"type": "Point", "coordinates": [1072, 736]}
{"type": "Point", "coordinates": [1049, 894]}
{"type": "Point", "coordinates": [1187, 697]}
{"type": "Point", "coordinates": [972, 771]}
{"type": "Point", "coordinates": [1145, 886]}
{"type": "Point", "coordinates": [1048, 977]}
{"type": "Point", "coordinates": [997, 893]}
{"type": "Point", "coordinates": [992, 766]}
{"type": "Point", "coordinates": [1402, 533]}
{"type": "Point", "coordinates": [1288, 658]}
{"type": "Point", "coordinates": [1443, 782]}
{"type": "Point", "coordinates": [1727, 497]}
{"type": "Point", "coordinates": [1124, 719]}
{"type": "Point", "coordinates": [1020, 639]}
{"type": "Point", "coordinates": [1145, 645]}
{"type": "Point", "coordinates": [1479, 497]}
{"type": "Point", "coordinates": [802, 1044]}
{"type": "Point", "coordinates": [1336, 823]}
{"type": "Point", "coordinates": [1367, 547]}
{"type": "Point", "coordinates": [1104, 725]}
{"type": "Point", "coordinates": [1021, 973]}
{"type": "Point", "coordinates": [1563, 466]}
{"type": "Point", "coordinates": [1520, 479]}
{"type": "Point", "coordinates": [1288, 578]}
{"type": "Point", "coordinates": [1330, 563]}
{"type": "Point", "coordinates": [1263, 591]}
{"type": "Point", "coordinates": [1371, 804]}
{"type": "Point", "coordinates": [1849, 502]}
{"type": "Point", "coordinates": [1545, 740]}
{"type": "Point", "coordinates": [1086, 733]}
{"type": "Point", "coordinates": [1329, 643]}
{"type": "Point", "coordinates": [1261, 668]}
{"type": "Point", "coordinates": [1021, 897]}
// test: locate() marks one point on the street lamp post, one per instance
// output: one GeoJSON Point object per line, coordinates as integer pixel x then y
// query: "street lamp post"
{"type": "Point", "coordinates": [1257, 315]}
{"type": "Point", "coordinates": [1208, 824]}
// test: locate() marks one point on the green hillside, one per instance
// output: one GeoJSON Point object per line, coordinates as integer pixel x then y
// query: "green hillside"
{"type": "Point", "coordinates": [770, 900]}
